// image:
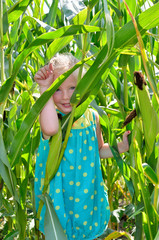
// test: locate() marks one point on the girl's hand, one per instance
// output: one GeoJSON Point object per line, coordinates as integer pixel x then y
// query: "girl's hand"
{"type": "Point", "coordinates": [44, 77]}
{"type": "Point", "coordinates": [125, 143]}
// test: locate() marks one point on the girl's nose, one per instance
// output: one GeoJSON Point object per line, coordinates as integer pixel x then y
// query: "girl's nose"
{"type": "Point", "coordinates": [65, 95]}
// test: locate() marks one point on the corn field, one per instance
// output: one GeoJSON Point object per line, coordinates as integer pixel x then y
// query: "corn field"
{"type": "Point", "coordinates": [118, 42]}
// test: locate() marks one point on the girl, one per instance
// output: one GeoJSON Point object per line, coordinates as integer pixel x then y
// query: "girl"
{"type": "Point", "coordinates": [77, 190]}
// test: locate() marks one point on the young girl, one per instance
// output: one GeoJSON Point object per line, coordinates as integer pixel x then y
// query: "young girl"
{"type": "Point", "coordinates": [77, 190]}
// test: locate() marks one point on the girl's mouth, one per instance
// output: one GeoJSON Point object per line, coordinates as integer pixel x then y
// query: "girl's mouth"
{"type": "Point", "coordinates": [66, 105]}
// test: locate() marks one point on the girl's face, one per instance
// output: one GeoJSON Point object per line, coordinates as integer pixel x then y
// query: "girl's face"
{"type": "Point", "coordinates": [63, 94]}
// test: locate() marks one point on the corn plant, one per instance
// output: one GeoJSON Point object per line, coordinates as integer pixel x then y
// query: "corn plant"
{"type": "Point", "coordinates": [113, 39]}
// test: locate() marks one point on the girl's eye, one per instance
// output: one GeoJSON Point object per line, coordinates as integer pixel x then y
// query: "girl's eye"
{"type": "Point", "coordinates": [72, 88]}
{"type": "Point", "coordinates": [58, 90]}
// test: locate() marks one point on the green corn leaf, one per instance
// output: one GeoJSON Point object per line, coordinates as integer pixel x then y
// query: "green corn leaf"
{"type": "Point", "coordinates": [21, 221]}
{"type": "Point", "coordinates": [12, 235]}
{"type": "Point", "coordinates": [53, 160]}
{"type": "Point", "coordinates": [157, 236]}
{"type": "Point", "coordinates": [9, 179]}
{"type": "Point", "coordinates": [52, 13]}
{"type": "Point", "coordinates": [5, 170]}
{"type": "Point", "coordinates": [57, 45]}
{"type": "Point", "coordinates": [17, 10]}
{"type": "Point", "coordinates": [3, 154]}
{"type": "Point", "coordinates": [150, 215]}
{"type": "Point", "coordinates": [52, 226]}
{"type": "Point", "coordinates": [150, 174]}
{"type": "Point", "coordinates": [116, 234]}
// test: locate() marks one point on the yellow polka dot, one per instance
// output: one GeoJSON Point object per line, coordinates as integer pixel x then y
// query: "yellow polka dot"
{"type": "Point", "coordinates": [80, 133]}
{"type": "Point", "coordinates": [70, 212]}
{"type": "Point", "coordinates": [105, 222]}
{"type": "Point", "coordinates": [107, 207]}
{"type": "Point", "coordinates": [63, 174]}
{"type": "Point", "coordinates": [63, 190]}
{"type": "Point", "coordinates": [77, 200]}
{"type": "Point", "coordinates": [40, 218]}
{"type": "Point", "coordinates": [85, 174]}
{"type": "Point", "coordinates": [76, 215]}
{"type": "Point", "coordinates": [71, 134]}
{"type": "Point", "coordinates": [93, 180]}
{"type": "Point", "coordinates": [102, 199]}
{"type": "Point", "coordinates": [91, 213]}
{"type": "Point", "coordinates": [71, 182]}
{"type": "Point", "coordinates": [73, 236]}
{"type": "Point", "coordinates": [92, 138]}
{"type": "Point", "coordinates": [77, 228]}
{"type": "Point", "coordinates": [44, 147]}
{"type": "Point", "coordinates": [96, 224]}
{"type": "Point", "coordinates": [80, 150]}
{"type": "Point", "coordinates": [92, 197]}
{"type": "Point", "coordinates": [90, 148]}
{"type": "Point", "coordinates": [57, 207]}
{"type": "Point", "coordinates": [40, 165]}
{"type": "Point", "coordinates": [85, 207]}
{"type": "Point", "coordinates": [84, 158]}
{"type": "Point", "coordinates": [38, 154]}
{"type": "Point", "coordinates": [92, 164]}
{"type": "Point", "coordinates": [36, 179]}
{"type": "Point", "coordinates": [64, 158]}
{"type": "Point", "coordinates": [101, 183]}
{"type": "Point", "coordinates": [85, 223]}
{"type": "Point", "coordinates": [64, 215]}
{"type": "Point", "coordinates": [95, 192]}
{"type": "Point", "coordinates": [57, 190]}
{"type": "Point", "coordinates": [87, 132]}
{"type": "Point", "coordinates": [95, 208]}
{"type": "Point", "coordinates": [78, 184]}
{"type": "Point", "coordinates": [58, 174]}
{"type": "Point", "coordinates": [85, 141]}
{"type": "Point", "coordinates": [71, 198]}
{"type": "Point", "coordinates": [85, 190]}
{"type": "Point", "coordinates": [84, 236]}
{"type": "Point", "coordinates": [71, 167]}
{"type": "Point", "coordinates": [71, 151]}
{"type": "Point", "coordinates": [90, 228]}
{"type": "Point", "coordinates": [79, 167]}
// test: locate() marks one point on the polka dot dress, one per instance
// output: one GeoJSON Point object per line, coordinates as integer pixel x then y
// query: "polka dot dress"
{"type": "Point", "coordinates": [77, 190]}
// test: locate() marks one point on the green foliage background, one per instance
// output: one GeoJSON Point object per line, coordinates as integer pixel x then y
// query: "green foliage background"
{"type": "Point", "coordinates": [102, 36]}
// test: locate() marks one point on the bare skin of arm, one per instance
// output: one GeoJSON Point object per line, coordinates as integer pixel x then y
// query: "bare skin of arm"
{"type": "Point", "coordinates": [48, 116]}
{"type": "Point", "coordinates": [104, 149]}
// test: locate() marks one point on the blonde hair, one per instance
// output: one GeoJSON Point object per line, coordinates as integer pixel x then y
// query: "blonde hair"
{"type": "Point", "coordinates": [62, 62]}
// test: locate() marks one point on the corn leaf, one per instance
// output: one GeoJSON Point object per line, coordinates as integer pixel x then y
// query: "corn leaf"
{"type": "Point", "coordinates": [149, 173]}
{"type": "Point", "coordinates": [150, 215]}
{"type": "Point", "coordinates": [117, 234]}
{"type": "Point", "coordinates": [52, 226]}
{"type": "Point", "coordinates": [53, 160]}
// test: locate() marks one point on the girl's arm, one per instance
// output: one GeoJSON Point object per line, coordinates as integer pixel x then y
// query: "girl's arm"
{"type": "Point", "coordinates": [48, 116]}
{"type": "Point", "coordinates": [104, 149]}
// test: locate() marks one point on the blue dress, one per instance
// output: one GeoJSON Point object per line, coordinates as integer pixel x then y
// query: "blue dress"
{"type": "Point", "coordinates": [77, 190]}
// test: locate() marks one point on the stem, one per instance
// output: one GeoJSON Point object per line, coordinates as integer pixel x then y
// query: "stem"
{"type": "Point", "coordinates": [125, 87]}
{"type": "Point", "coordinates": [143, 53]}
{"type": "Point", "coordinates": [1, 42]}
{"type": "Point", "coordinates": [156, 192]}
